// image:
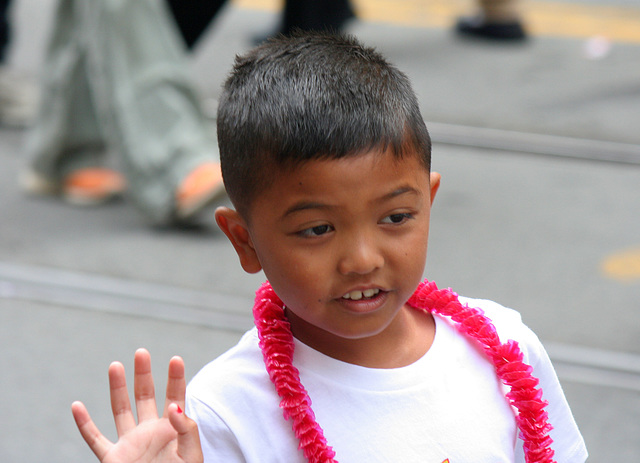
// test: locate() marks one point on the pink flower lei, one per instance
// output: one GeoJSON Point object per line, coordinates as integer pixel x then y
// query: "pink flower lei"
{"type": "Point", "coordinates": [276, 342]}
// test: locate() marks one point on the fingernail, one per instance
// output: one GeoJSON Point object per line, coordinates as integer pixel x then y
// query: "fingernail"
{"type": "Point", "coordinates": [179, 409]}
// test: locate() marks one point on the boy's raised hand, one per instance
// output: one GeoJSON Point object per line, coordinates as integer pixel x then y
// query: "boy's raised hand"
{"type": "Point", "coordinates": [170, 438]}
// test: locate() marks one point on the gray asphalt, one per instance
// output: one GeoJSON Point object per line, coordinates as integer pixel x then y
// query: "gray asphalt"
{"type": "Point", "coordinates": [540, 155]}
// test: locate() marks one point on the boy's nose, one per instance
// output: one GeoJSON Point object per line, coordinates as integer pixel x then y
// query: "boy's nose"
{"type": "Point", "coordinates": [360, 257]}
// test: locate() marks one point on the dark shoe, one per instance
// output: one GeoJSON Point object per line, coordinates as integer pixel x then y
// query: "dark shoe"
{"type": "Point", "coordinates": [479, 27]}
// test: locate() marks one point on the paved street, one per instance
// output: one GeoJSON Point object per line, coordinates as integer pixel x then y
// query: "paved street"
{"type": "Point", "coordinates": [539, 149]}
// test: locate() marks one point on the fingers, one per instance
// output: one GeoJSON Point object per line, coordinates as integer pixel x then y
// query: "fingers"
{"type": "Point", "coordinates": [120, 405]}
{"type": "Point", "coordinates": [144, 391]}
{"type": "Point", "coordinates": [176, 384]}
{"type": "Point", "coordinates": [188, 438]}
{"type": "Point", "coordinates": [99, 444]}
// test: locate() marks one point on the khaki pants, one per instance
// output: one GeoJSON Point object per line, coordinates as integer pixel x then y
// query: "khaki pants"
{"type": "Point", "coordinates": [115, 79]}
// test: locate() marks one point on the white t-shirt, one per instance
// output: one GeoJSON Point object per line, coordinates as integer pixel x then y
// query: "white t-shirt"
{"type": "Point", "coordinates": [448, 405]}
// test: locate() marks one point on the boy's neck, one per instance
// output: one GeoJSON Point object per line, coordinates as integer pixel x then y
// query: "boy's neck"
{"type": "Point", "coordinates": [402, 343]}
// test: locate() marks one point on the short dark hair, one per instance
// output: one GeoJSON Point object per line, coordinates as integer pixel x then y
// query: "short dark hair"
{"type": "Point", "coordinates": [311, 96]}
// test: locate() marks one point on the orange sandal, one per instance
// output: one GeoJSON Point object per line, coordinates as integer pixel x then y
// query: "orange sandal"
{"type": "Point", "coordinates": [202, 186]}
{"type": "Point", "coordinates": [90, 187]}
{"type": "Point", "coordinates": [83, 187]}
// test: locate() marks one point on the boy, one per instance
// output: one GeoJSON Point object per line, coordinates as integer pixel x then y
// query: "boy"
{"type": "Point", "coordinates": [326, 159]}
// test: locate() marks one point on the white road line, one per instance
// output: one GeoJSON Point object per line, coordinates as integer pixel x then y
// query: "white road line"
{"type": "Point", "coordinates": [115, 295]}
{"type": "Point", "coordinates": [530, 143]}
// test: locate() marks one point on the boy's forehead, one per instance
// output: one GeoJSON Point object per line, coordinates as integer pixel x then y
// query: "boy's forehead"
{"type": "Point", "coordinates": [370, 170]}
{"type": "Point", "coordinates": [330, 164]}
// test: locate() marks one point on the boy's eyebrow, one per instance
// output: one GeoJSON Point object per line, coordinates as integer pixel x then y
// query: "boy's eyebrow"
{"type": "Point", "coordinates": [304, 205]}
{"type": "Point", "coordinates": [398, 192]}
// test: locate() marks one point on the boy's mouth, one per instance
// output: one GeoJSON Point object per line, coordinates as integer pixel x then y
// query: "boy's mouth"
{"type": "Point", "coordinates": [357, 295]}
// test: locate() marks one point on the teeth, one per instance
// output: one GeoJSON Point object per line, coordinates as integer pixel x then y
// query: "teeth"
{"type": "Point", "coordinates": [357, 295]}
{"type": "Point", "coordinates": [370, 292]}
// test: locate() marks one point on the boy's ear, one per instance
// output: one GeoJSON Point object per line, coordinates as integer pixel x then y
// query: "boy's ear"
{"type": "Point", "coordinates": [234, 226]}
{"type": "Point", "coordinates": [434, 180]}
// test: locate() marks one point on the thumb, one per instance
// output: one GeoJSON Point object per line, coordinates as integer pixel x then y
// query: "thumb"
{"type": "Point", "coordinates": [189, 448]}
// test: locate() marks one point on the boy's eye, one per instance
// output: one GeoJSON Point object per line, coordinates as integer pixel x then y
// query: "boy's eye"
{"type": "Point", "coordinates": [397, 218]}
{"type": "Point", "coordinates": [318, 230]}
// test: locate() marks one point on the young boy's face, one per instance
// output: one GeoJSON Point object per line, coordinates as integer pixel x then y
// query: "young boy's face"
{"type": "Point", "coordinates": [343, 242]}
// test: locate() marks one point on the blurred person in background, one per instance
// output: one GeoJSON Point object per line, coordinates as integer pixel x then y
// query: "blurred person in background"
{"type": "Point", "coordinates": [116, 80]}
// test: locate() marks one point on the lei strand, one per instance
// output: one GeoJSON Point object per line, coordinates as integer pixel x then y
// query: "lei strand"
{"type": "Point", "coordinates": [276, 343]}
